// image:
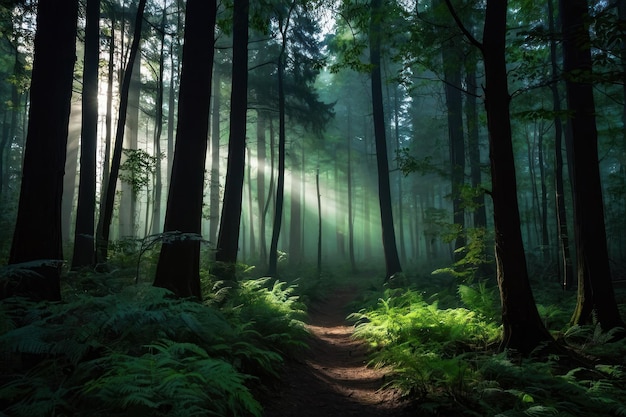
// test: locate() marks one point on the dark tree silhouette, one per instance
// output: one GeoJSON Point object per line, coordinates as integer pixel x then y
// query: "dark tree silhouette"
{"type": "Point", "coordinates": [392, 261]}
{"type": "Point", "coordinates": [228, 237]}
{"type": "Point", "coordinates": [523, 329]}
{"type": "Point", "coordinates": [563, 235]}
{"type": "Point", "coordinates": [106, 211]}
{"type": "Point", "coordinates": [37, 234]}
{"type": "Point", "coordinates": [178, 268]}
{"type": "Point", "coordinates": [473, 145]}
{"type": "Point", "coordinates": [84, 238]}
{"type": "Point", "coordinates": [280, 187]}
{"type": "Point", "coordinates": [595, 290]}
{"type": "Point", "coordinates": [452, 63]}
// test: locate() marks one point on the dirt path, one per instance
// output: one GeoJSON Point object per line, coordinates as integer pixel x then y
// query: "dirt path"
{"type": "Point", "coordinates": [331, 379]}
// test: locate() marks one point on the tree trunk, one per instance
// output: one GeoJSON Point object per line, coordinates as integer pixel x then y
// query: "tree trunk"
{"type": "Point", "coordinates": [251, 210]}
{"type": "Point", "coordinates": [523, 329]}
{"type": "Point", "coordinates": [214, 185]}
{"type": "Point", "coordinates": [473, 145]}
{"type": "Point", "coordinates": [280, 183]}
{"type": "Point", "coordinates": [228, 238]}
{"type": "Point", "coordinates": [451, 58]}
{"type": "Point", "coordinates": [108, 123]}
{"type": "Point", "coordinates": [545, 238]}
{"type": "Point", "coordinates": [295, 228]}
{"type": "Point", "coordinates": [396, 130]}
{"type": "Point", "coordinates": [261, 156]}
{"type": "Point", "coordinates": [37, 234]}
{"type": "Point", "coordinates": [8, 131]}
{"type": "Point", "coordinates": [522, 326]}
{"type": "Point", "coordinates": [319, 223]}
{"type": "Point", "coordinates": [392, 261]}
{"type": "Point", "coordinates": [178, 268]}
{"type": "Point", "coordinates": [350, 194]}
{"type": "Point", "coordinates": [595, 289]}
{"type": "Point", "coordinates": [158, 122]}
{"type": "Point", "coordinates": [106, 212]}
{"type": "Point", "coordinates": [128, 195]}
{"type": "Point", "coordinates": [71, 170]}
{"type": "Point", "coordinates": [84, 234]}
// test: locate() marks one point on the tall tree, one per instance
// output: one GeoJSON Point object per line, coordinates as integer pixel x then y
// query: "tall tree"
{"type": "Point", "coordinates": [84, 233]}
{"type": "Point", "coordinates": [473, 144]}
{"type": "Point", "coordinates": [158, 181]}
{"type": "Point", "coordinates": [451, 55]}
{"type": "Point", "coordinates": [595, 289]}
{"type": "Point", "coordinates": [280, 185]}
{"type": "Point", "coordinates": [37, 234]}
{"type": "Point", "coordinates": [261, 156]}
{"type": "Point", "coordinates": [178, 268]}
{"type": "Point", "coordinates": [129, 189]}
{"type": "Point", "coordinates": [295, 217]}
{"type": "Point", "coordinates": [523, 329]}
{"type": "Point", "coordinates": [228, 237]}
{"type": "Point", "coordinates": [392, 260]}
{"type": "Point", "coordinates": [106, 209]}
{"type": "Point", "coordinates": [214, 183]}
{"type": "Point", "coordinates": [561, 212]}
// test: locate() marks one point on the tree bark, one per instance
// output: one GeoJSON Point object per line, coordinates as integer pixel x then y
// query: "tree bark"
{"type": "Point", "coordinates": [392, 261]}
{"type": "Point", "coordinates": [523, 328]}
{"type": "Point", "coordinates": [178, 268]}
{"type": "Point", "coordinates": [280, 182]}
{"type": "Point", "coordinates": [37, 234]}
{"type": "Point", "coordinates": [84, 234]}
{"type": "Point", "coordinates": [595, 289]}
{"type": "Point", "coordinates": [158, 122]}
{"type": "Point", "coordinates": [228, 238]}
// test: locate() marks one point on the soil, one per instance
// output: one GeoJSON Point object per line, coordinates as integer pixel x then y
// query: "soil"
{"type": "Point", "coordinates": [332, 377]}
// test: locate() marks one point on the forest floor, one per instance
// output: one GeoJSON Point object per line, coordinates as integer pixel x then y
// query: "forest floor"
{"type": "Point", "coordinates": [331, 378]}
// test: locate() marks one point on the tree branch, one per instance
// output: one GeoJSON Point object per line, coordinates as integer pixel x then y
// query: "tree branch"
{"type": "Point", "coordinates": [462, 27]}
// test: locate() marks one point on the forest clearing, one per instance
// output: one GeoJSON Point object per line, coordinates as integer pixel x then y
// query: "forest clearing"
{"type": "Point", "coordinates": [274, 208]}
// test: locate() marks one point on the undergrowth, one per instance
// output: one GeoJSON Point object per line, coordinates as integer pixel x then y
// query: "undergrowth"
{"type": "Point", "coordinates": [139, 351]}
{"type": "Point", "coordinates": [446, 359]}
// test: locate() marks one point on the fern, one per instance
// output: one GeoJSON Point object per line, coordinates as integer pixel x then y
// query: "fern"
{"type": "Point", "coordinates": [101, 350]}
{"type": "Point", "coordinates": [480, 298]}
{"type": "Point", "coordinates": [273, 310]}
{"type": "Point", "coordinates": [177, 377]}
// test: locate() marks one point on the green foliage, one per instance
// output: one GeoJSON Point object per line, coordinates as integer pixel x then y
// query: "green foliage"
{"type": "Point", "coordinates": [481, 298]}
{"type": "Point", "coordinates": [546, 388]}
{"type": "Point", "coordinates": [424, 345]}
{"type": "Point", "coordinates": [138, 168]}
{"type": "Point", "coordinates": [437, 355]}
{"type": "Point", "coordinates": [275, 312]}
{"type": "Point", "coordinates": [143, 352]}
{"type": "Point", "coordinates": [592, 340]}
{"type": "Point", "coordinates": [475, 256]}
{"type": "Point", "coordinates": [409, 164]}
{"type": "Point", "coordinates": [404, 317]}
{"type": "Point", "coordinates": [174, 379]}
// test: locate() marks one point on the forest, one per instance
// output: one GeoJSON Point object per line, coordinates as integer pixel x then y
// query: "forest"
{"type": "Point", "coordinates": [278, 208]}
